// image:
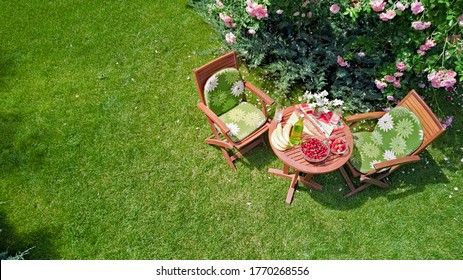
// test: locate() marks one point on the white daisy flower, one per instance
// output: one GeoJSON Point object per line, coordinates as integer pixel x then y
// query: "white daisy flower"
{"type": "Point", "coordinates": [237, 88]}
{"type": "Point", "coordinates": [388, 155]}
{"type": "Point", "coordinates": [234, 129]}
{"type": "Point", "coordinates": [212, 83]}
{"type": "Point", "coordinates": [386, 123]}
{"type": "Point", "coordinates": [337, 102]}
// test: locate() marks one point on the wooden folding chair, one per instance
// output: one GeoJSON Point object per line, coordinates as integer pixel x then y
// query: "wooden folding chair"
{"type": "Point", "coordinates": [237, 126]}
{"type": "Point", "coordinates": [431, 129]}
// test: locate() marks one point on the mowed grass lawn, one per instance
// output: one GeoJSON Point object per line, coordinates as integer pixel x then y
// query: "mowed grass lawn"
{"type": "Point", "coordinates": [102, 154]}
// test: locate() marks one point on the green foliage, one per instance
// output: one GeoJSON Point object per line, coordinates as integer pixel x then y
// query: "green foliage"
{"type": "Point", "coordinates": [299, 47]}
{"type": "Point", "coordinates": [102, 154]}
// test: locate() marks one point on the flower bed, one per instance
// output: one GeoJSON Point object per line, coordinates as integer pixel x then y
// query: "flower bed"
{"type": "Point", "coordinates": [362, 51]}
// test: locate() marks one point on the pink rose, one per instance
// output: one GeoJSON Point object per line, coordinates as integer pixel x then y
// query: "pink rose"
{"type": "Point", "coordinates": [227, 19]}
{"type": "Point", "coordinates": [256, 10]}
{"type": "Point", "coordinates": [251, 31]}
{"type": "Point", "coordinates": [401, 66]}
{"type": "Point", "coordinates": [398, 74]}
{"type": "Point", "coordinates": [361, 54]}
{"type": "Point", "coordinates": [397, 84]}
{"type": "Point", "coordinates": [279, 12]}
{"type": "Point", "coordinates": [400, 6]}
{"type": "Point", "coordinates": [219, 3]}
{"type": "Point", "coordinates": [389, 78]}
{"type": "Point", "coordinates": [390, 98]}
{"type": "Point", "coordinates": [377, 5]}
{"type": "Point", "coordinates": [421, 52]}
{"type": "Point", "coordinates": [429, 43]}
{"type": "Point", "coordinates": [417, 8]}
{"type": "Point", "coordinates": [380, 85]}
{"type": "Point", "coordinates": [390, 14]}
{"type": "Point", "coordinates": [341, 62]}
{"type": "Point", "coordinates": [334, 8]}
{"type": "Point", "coordinates": [442, 78]}
{"type": "Point", "coordinates": [419, 25]}
{"type": "Point", "coordinates": [230, 38]}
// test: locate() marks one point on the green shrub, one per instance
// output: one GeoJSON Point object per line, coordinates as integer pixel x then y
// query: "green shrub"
{"type": "Point", "coordinates": [347, 48]}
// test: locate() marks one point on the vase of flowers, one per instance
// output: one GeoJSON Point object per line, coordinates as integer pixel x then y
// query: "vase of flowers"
{"type": "Point", "coordinates": [319, 102]}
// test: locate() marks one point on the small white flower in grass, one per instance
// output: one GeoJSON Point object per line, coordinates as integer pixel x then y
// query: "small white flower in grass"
{"type": "Point", "coordinates": [461, 160]}
{"type": "Point", "coordinates": [386, 123]}
{"type": "Point", "coordinates": [237, 88]}
{"type": "Point", "coordinates": [211, 83]}
{"type": "Point", "coordinates": [388, 155]}
{"type": "Point", "coordinates": [456, 188]}
{"type": "Point", "coordinates": [234, 129]}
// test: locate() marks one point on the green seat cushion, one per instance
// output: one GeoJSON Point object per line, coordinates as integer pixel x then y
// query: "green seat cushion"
{"type": "Point", "coordinates": [243, 120]}
{"type": "Point", "coordinates": [397, 134]}
{"type": "Point", "coordinates": [224, 90]}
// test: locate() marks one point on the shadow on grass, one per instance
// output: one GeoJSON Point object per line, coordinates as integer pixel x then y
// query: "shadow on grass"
{"type": "Point", "coordinates": [407, 181]}
{"type": "Point", "coordinates": [19, 149]}
{"type": "Point", "coordinates": [38, 243]}
{"type": "Point", "coordinates": [7, 67]}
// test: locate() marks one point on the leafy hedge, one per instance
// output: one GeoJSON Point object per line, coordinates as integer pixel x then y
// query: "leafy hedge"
{"type": "Point", "coordinates": [353, 49]}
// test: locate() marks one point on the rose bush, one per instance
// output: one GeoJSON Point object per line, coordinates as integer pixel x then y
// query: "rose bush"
{"type": "Point", "coordinates": [360, 51]}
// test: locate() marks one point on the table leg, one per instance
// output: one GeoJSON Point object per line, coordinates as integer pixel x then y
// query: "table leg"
{"type": "Point", "coordinates": [307, 180]}
{"type": "Point", "coordinates": [292, 187]}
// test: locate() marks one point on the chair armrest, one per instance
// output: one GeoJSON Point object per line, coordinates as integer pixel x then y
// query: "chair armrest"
{"type": "Point", "coordinates": [398, 161]}
{"type": "Point", "coordinates": [260, 93]}
{"type": "Point", "coordinates": [214, 118]}
{"type": "Point", "coordinates": [364, 116]}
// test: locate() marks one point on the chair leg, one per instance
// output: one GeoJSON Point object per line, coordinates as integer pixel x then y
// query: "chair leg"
{"type": "Point", "coordinates": [374, 181]}
{"type": "Point", "coordinates": [228, 158]}
{"type": "Point", "coordinates": [347, 178]}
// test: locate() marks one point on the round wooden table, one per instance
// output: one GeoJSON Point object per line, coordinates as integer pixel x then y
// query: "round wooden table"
{"type": "Point", "coordinates": [292, 158]}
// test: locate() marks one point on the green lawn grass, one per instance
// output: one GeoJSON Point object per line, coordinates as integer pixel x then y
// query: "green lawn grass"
{"type": "Point", "coordinates": [102, 154]}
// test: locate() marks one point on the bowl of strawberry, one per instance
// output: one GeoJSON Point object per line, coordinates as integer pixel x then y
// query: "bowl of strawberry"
{"type": "Point", "coordinates": [338, 145]}
{"type": "Point", "coordinates": [315, 150]}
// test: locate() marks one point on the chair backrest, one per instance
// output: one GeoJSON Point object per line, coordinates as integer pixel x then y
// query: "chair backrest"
{"type": "Point", "coordinates": [432, 127]}
{"type": "Point", "coordinates": [203, 73]}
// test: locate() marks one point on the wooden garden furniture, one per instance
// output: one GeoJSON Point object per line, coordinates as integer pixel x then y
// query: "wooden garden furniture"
{"type": "Point", "coordinates": [429, 128]}
{"type": "Point", "coordinates": [303, 170]}
{"type": "Point", "coordinates": [237, 126]}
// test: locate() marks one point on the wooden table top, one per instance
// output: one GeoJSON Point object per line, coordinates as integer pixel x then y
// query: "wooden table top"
{"type": "Point", "coordinates": [294, 158]}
